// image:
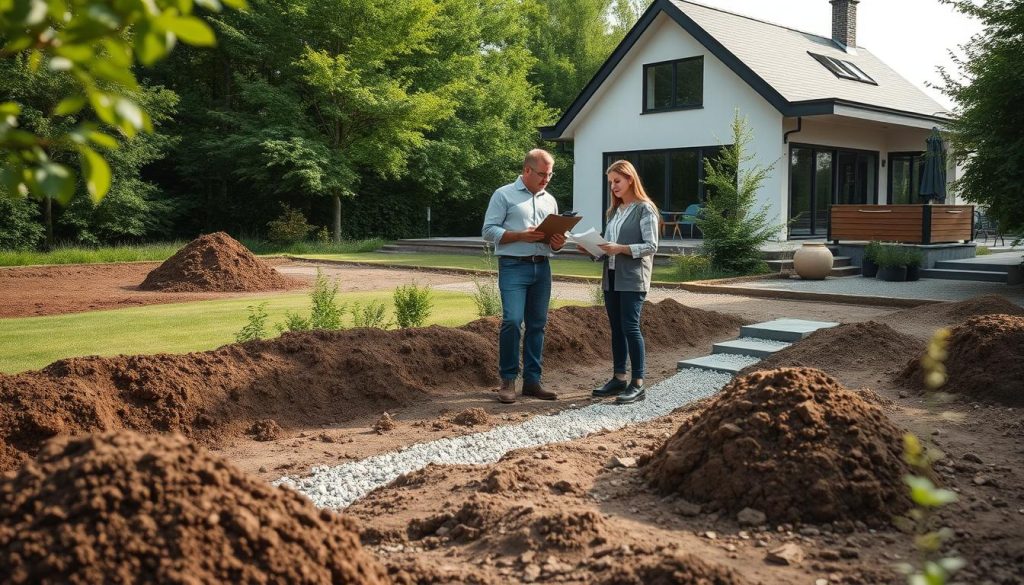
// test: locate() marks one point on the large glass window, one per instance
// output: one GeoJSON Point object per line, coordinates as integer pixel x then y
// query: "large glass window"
{"type": "Point", "coordinates": [672, 178]}
{"type": "Point", "coordinates": [905, 171]}
{"type": "Point", "coordinates": [820, 176]}
{"type": "Point", "coordinates": [674, 85]}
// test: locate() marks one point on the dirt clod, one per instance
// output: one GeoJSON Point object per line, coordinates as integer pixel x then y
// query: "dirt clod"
{"type": "Point", "coordinates": [213, 262]}
{"type": "Point", "coordinates": [265, 430]}
{"type": "Point", "coordinates": [384, 424]}
{"type": "Point", "coordinates": [471, 417]}
{"type": "Point", "coordinates": [124, 507]}
{"type": "Point", "coordinates": [676, 570]}
{"type": "Point", "coordinates": [807, 450]}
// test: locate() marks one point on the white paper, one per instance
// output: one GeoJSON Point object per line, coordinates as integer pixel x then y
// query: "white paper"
{"type": "Point", "coordinates": [589, 241]}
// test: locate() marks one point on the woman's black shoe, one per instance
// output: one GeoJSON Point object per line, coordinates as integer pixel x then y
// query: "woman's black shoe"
{"type": "Point", "coordinates": [612, 387]}
{"type": "Point", "coordinates": [633, 393]}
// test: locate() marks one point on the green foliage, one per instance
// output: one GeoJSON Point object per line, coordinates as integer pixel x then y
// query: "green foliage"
{"type": "Point", "coordinates": [308, 248]}
{"type": "Point", "coordinates": [486, 297]}
{"type": "Point", "coordinates": [413, 305]}
{"type": "Point", "coordinates": [986, 129]}
{"type": "Point", "coordinates": [733, 231]}
{"type": "Point", "coordinates": [93, 44]}
{"type": "Point", "coordinates": [871, 250]}
{"type": "Point", "coordinates": [325, 312]}
{"type": "Point", "coordinates": [19, 226]}
{"type": "Point", "coordinates": [982, 251]}
{"type": "Point", "coordinates": [896, 256]}
{"type": "Point", "coordinates": [256, 328]}
{"type": "Point", "coordinates": [373, 314]}
{"type": "Point", "coordinates": [289, 228]}
{"type": "Point", "coordinates": [82, 255]}
{"type": "Point", "coordinates": [694, 267]}
{"type": "Point", "coordinates": [293, 322]}
{"type": "Point", "coordinates": [596, 294]}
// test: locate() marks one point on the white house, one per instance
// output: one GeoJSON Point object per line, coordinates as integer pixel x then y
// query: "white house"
{"type": "Point", "coordinates": [839, 125]}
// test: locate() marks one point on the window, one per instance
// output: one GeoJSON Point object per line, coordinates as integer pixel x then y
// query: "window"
{"type": "Point", "coordinates": [905, 170]}
{"type": "Point", "coordinates": [672, 178]}
{"type": "Point", "coordinates": [674, 85]}
{"type": "Point", "coordinates": [843, 69]}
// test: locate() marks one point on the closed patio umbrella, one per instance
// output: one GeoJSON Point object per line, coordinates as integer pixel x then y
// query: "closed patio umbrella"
{"type": "Point", "coordinates": [933, 181]}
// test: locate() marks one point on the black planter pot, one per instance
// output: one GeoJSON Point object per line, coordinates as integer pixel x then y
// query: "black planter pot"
{"type": "Point", "coordinates": [892, 273]}
{"type": "Point", "coordinates": [868, 268]}
{"type": "Point", "coordinates": [913, 272]}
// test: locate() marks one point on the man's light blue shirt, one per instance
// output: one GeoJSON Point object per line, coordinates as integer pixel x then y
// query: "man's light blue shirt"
{"type": "Point", "coordinates": [513, 207]}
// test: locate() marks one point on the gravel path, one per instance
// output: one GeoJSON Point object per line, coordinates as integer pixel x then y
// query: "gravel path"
{"type": "Point", "coordinates": [339, 486]}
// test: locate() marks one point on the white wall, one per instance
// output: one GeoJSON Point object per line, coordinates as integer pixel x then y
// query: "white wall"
{"type": "Point", "coordinates": [613, 121]}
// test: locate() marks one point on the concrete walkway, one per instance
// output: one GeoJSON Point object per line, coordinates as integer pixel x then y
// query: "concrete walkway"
{"type": "Point", "coordinates": [860, 287]}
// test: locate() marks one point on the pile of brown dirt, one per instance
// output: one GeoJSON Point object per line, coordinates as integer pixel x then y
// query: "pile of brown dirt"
{"type": "Point", "coordinates": [846, 346]}
{"type": "Point", "coordinates": [942, 314]}
{"type": "Point", "coordinates": [124, 507]}
{"type": "Point", "coordinates": [265, 430]}
{"type": "Point", "coordinates": [471, 417]}
{"type": "Point", "coordinates": [792, 443]}
{"type": "Point", "coordinates": [674, 570]}
{"type": "Point", "coordinates": [986, 360]}
{"type": "Point", "coordinates": [299, 379]}
{"type": "Point", "coordinates": [215, 263]}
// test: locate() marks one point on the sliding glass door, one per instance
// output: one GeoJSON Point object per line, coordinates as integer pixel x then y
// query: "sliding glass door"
{"type": "Point", "coordinates": [820, 176]}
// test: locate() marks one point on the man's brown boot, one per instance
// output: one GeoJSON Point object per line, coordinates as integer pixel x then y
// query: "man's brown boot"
{"type": "Point", "coordinates": [535, 390]}
{"type": "Point", "coordinates": [507, 392]}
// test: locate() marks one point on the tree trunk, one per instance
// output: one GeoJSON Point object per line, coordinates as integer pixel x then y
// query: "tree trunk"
{"type": "Point", "coordinates": [337, 219]}
{"type": "Point", "coordinates": [48, 214]}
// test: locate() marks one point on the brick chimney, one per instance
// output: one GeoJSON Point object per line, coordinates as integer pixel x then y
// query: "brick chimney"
{"type": "Point", "coordinates": [844, 22]}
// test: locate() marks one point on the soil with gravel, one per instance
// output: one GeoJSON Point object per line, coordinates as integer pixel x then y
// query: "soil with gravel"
{"type": "Point", "coordinates": [985, 360]}
{"type": "Point", "coordinates": [926, 319]}
{"type": "Point", "coordinates": [299, 379]}
{"type": "Point", "coordinates": [127, 508]}
{"type": "Point", "coordinates": [791, 443]}
{"type": "Point", "coordinates": [214, 262]}
{"type": "Point", "coordinates": [674, 570]}
{"type": "Point", "coordinates": [847, 346]}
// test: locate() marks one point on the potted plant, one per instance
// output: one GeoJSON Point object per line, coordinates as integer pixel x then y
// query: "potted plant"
{"type": "Point", "coordinates": [891, 264]}
{"type": "Point", "coordinates": [912, 259]}
{"type": "Point", "coordinates": [869, 266]}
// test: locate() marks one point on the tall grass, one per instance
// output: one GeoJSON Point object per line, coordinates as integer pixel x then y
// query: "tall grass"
{"type": "Point", "coordinates": [158, 252]}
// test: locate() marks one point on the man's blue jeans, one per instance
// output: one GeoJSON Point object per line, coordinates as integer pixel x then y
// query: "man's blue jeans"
{"type": "Point", "coordinates": [525, 292]}
{"type": "Point", "coordinates": [624, 309]}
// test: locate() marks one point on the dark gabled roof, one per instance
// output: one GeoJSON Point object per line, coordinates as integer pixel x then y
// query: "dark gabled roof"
{"type": "Point", "coordinates": [777, 63]}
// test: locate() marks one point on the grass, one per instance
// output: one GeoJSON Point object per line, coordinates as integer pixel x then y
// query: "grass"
{"type": "Point", "coordinates": [33, 342]}
{"type": "Point", "coordinates": [560, 267]}
{"type": "Point", "coordinates": [161, 251]}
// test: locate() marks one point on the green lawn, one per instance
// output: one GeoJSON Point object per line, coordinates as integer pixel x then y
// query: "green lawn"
{"type": "Point", "coordinates": [33, 342]}
{"type": "Point", "coordinates": [562, 267]}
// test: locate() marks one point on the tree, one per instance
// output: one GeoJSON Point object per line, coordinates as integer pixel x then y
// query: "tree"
{"type": "Point", "coordinates": [733, 230]}
{"type": "Point", "coordinates": [96, 43]}
{"type": "Point", "coordinates": [986, 132]}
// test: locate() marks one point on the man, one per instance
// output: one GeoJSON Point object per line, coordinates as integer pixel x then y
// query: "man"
{"type": "Point", "coordinates": [524, 272]}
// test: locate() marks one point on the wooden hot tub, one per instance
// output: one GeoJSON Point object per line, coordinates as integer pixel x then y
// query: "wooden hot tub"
{"type": "Point", "coordinates": [910, 224]}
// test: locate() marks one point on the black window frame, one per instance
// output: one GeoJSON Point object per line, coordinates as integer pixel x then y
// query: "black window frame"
{"type": "Point", "coordinates": [916, 158]}
{"type": "Point", "coordinates": [843, 69]}
{"type": "Point", "coordinates": [675, 81]}
{"type": "Point", "coordinates": [835, 150]}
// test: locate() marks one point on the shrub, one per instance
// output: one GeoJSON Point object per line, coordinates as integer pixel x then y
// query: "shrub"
{"type": "Point", "coordinates": [982, 251]}
{"type": "Point", "coordinates": [597, 294]}
{"type": "Point", "coordinates": [322, 235]}
{"type": "Point", "coordinates": [19, 224]}
{"type": "Point", "coordinates": [692, 267]}
{"type": "Point", "coordinates": [293, 322]}
{"type": "Point", "coordinates": [912, 257]}
{"type": "Point", "coordinates": [372, 315]}
{"type": "Point", "coordinates": [487, 297]}
{"type": "Point", "coordinates": [733, 231]}
{"type": "Point", "coordinates": [325, 312]}
{"type": "Point", "coordinates": [412, 305]}
{"type": "Point", "coordinates": [871, 251]}
{"type": "Point", "coordinates": [289, 228]}
{"type": "Point", "coordinates": [256, 328]}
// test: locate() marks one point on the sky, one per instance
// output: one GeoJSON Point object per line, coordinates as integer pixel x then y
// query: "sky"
{"type": "Point", "coordinates": [911, 36]}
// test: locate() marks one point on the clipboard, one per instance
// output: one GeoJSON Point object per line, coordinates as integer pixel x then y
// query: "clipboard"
{"type": "Point", "coordinates": [557, 224]}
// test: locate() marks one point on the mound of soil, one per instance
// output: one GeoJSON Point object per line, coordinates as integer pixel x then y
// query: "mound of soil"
{"type": "Point", "coordinates": [846, 346]}
{"type": "Point", "coordinates": [214, 263]}
{"type": "Point", "coordinates": [942, 314]}
{"type": "Point", "coordinates": [674, 570]}
{"type": "Point", "coordinates": [985, 360]}
{"type": "Point", "coordinates": [299, 379]}
{"type": "Point", "coordinates": [471, 417]}
{"type": "Point", "coordinates": [123, 507]}
{"type": "Point", "coordinates": [791, 443]}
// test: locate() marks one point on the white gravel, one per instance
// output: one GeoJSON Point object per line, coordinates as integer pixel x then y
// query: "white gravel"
{"type": "Point", "coordinates": [338, 486]}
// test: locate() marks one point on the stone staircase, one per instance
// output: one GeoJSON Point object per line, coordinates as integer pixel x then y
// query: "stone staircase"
{"type": "Point", "coordinates": [841, 265]}
{"type": "Point", "coordinates": [982, 268]}
{"type": "Point", "coordinates": [755, 343]}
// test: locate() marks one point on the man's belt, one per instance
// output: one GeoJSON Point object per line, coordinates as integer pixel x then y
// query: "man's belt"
{"type": "Point", "coordinates": [530, 259]}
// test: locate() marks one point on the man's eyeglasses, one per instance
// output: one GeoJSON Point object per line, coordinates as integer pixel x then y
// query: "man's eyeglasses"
{"type": "Point", "coordinates": [548, 176]}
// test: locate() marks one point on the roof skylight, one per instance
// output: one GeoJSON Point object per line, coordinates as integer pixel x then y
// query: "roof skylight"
{"type": "Point", "coordinates": [843, 69]}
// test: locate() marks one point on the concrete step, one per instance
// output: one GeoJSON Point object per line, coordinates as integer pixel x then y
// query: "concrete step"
{"type": "Point", "coordinates": [784, 329]}
{"type": "Point", "coordinates": [977, 266]}
{"type": "Point", "coordinates": [839, 266]}
{"type": "Point", "coordinates": [751, 346]}
{"type": "Point", "coordinates": [845, 271]}
{"type": "Point", "coordinates": [729, 363]}
{"type": "Point", "coordinates": [975, 275]}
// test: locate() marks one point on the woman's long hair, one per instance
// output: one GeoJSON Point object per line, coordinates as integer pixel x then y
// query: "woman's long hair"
{"type": "Point", "coordinates": [626, 169]}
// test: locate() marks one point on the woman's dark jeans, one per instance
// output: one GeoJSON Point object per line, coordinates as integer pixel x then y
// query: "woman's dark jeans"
{"type": "Point", "coordinates": [624, 317]}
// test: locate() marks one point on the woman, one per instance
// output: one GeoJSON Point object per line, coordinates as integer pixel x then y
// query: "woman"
{"type": "Point", "coordinates": [632, 233]}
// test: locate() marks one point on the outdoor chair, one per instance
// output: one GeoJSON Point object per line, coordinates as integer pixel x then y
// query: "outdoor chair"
{"type": "Point", "coordinates": [690, 216]}
{"type": "Point", "coordinates": [671, 219]}
{"type": "Point", "coordinates": [987, 226]}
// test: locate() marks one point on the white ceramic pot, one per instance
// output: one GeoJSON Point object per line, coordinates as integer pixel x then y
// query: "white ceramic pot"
{"type": "Point", "coordinates": [813, 261]}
